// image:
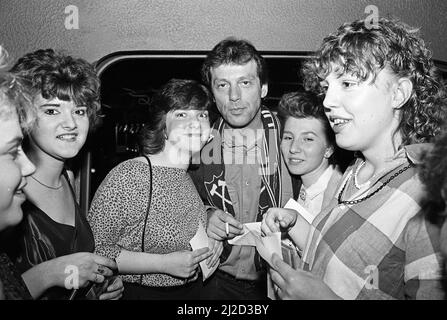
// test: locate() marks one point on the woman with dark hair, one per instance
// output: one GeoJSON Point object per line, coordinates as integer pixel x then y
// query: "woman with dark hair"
{"type": "Point", "coordinates": [308, 147]}
{"type": "Point", "coordinates": [147, 210]}
{"type": "Point", "coordinates": [54, 237]}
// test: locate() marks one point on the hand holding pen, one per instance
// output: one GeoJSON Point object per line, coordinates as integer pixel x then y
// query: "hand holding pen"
{"type": "Point", "coordinates": [222, 225]}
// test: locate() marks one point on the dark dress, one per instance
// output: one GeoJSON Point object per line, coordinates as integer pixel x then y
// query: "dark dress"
{"type": "Point", "coordinates": [13, 286]}
{"type": "Point", "coordinates": [43, 239]}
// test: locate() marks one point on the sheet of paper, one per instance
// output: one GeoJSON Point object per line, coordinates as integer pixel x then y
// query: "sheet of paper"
{"type": "Point", "coordinates": [292, 204]}
{"type": "Point", "coordinates": [266, 246]}
{"type": "Point", "coordinates": [200, 240]}
{"type": "Point", "coordinates": [247, 238]}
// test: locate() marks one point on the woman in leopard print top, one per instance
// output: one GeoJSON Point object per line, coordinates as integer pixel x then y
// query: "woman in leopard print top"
{"type": "Point", "coordinates": [165, 268]}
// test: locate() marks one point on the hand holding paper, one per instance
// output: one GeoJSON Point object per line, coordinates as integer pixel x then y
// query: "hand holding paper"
{"type": "Point", "coordinates": [247, 238]}
{"type": "Point", "coordinates": [292, 204]}
{"type": "Point", "coordinates": [278, 219]}
{"type": "Point", "coordinates": [222, 225]}
{"type": "Point", "coordinates": [300, 230]}
{"type": "Point", "coordinates": [200, 240]}
{"type": "Point", "coordinates": [269, 245]}
{"type": "Point", "coordinates": [265, 245]}
{"type": "Point", "coordinates": [297, 284]}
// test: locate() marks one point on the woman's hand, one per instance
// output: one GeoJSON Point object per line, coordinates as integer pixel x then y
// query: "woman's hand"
{"type": "Point", "coordinates": [291, 284]}
{"type": "Point", "coordinates": [278, 220]}
{"type": "Point", "coordinates": [78, 269]}
{"type": "Point", "coordinates": [114, 290]}
{"type": "Point", "coordinates": [72, 271]}
{"type": "Point", "coordinates": [216, 248]}
{"type": "Point", "coordinates": [184, 264]}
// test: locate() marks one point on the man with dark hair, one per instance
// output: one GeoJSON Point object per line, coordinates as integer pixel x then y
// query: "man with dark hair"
{"type": "Point", "coordinates": [246, 174]}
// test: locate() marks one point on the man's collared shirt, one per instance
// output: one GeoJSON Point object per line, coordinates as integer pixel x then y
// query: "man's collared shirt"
{"type": "Point", "coordinates": [242, 149]}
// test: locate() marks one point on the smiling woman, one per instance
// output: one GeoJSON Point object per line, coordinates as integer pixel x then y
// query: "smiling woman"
{"type": "Point", "coordinates": [308, 147]}
{"type": "Point", "coordinates": [385, 100]}
{"type": "Point", "coordinates": [15, 115]}
{"type": "Point", "coordinates": [147, 210]}
{"type": "Point", "coordinates": [54, 234]}
{"type": "Point", "coordinates": [14, 164]}
{"type": "Point", "coordinates": [11, 174]}
{"type": "Point", "coordinates": [62, 128]}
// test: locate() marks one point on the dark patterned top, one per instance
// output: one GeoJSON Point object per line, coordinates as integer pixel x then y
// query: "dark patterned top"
{"type": "Point", "coordinates": [13, 286]}
{"type": "Point", "coordinates": [118, 212]}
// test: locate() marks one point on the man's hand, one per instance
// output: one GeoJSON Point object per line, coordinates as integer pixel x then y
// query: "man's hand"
{"type": "Point", "coordinates": [217, 229]}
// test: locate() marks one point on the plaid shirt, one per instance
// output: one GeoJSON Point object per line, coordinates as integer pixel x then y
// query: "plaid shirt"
{"type": "Point", "coordinates": [382, 247]}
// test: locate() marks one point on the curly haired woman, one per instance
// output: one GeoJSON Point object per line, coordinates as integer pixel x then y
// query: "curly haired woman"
{"type": "Point", "coordinates": [54, 234]}
{"type": "Point", "coordinates": [383, 100]}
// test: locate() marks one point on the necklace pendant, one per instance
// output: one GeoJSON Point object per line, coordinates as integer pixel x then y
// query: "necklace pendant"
{"type": "Point", "coordinates": [302, 195]}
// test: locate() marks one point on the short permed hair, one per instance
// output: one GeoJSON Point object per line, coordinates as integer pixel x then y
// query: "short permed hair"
{"type": "Point", "coordinates": [57, 75]}
{"type": "Point", "coordinates": [433, 173]}
{"type": "Point", "coordinates": [233, 51]}
{"type": "Point", "coordinates": [176, 94]}
{"type": "Point", "coordinates": [363, 50]}
{"type": "Point", "coordinates": [14, 97]}
{"type": "Point", "coordinates": [305, 104]}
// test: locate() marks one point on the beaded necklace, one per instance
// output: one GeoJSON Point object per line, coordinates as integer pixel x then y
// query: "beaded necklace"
{"type": "Point", "coordinates": [340, 201]}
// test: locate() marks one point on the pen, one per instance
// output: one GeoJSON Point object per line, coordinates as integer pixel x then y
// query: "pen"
{"type": "Point", "coordinates": [227, 229]}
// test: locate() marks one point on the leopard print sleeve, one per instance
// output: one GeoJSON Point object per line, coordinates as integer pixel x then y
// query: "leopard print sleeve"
{"type": "Point", "coordinates": [118, 207]}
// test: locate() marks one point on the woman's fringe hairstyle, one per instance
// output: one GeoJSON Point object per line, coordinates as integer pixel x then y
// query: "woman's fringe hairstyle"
{"type": "Point", "coordinates": [58, 75]}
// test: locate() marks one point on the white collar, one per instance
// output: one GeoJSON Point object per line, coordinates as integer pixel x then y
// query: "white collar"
{"type": "Point", "coordinates": [320, 185]}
